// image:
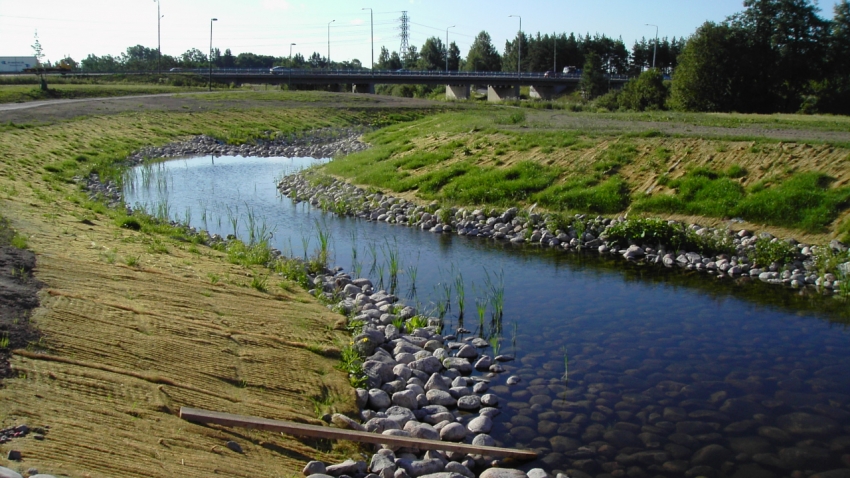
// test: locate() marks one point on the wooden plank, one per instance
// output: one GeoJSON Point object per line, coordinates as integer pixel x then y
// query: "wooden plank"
{"type": "Point", "coordinates": [300, 429]}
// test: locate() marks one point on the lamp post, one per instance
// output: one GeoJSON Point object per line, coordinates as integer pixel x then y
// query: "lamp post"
{"type": "Point", "coordinates": [290, 64]}
{"type": "Point", "coordinates": [655, 46]}
{"type": "Point", "coordinates": [372, 36]}
{"type": "Point", "coordinates": [211, 51]}
{"type": "Point", "coordinates": [158, 40]}
{"type": "Point", "coordinates": [554, 52]}
{"type": "Point", "coordinates": [519, 50]}
{"type": "Point", "coordinates": [329, 42]}
{"type": "Point", "coordinates": [447, 47]}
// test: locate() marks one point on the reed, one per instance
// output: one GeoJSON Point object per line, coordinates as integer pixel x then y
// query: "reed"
{"type": "Point", "coordinates": [481, 307]}
{"type": "Point", "coordinates": [566, 367]}
{"type": "Point", "coordinates": [323, 234]}
{"type": "Point", "coordinates": [461, 296]}
{"type": "Point", "coordinates": [392, 254]}
{"type": "Point", "coordinates": [412, 273]}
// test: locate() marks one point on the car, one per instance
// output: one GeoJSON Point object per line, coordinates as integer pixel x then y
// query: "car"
{"type": "Point", "coordinates": [277, 70]}
{"type": "Point", "coordinates": [176, 69]}
{"type": "Point", "coordinates": [551, 74]}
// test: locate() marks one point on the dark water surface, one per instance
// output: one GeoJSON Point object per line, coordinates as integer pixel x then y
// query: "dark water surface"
{"type": "Point", "coordinates": [667, 371]}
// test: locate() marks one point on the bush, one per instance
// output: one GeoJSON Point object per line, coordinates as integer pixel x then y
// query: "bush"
{"type": "Point", "coordinates": [660, 232]}
{"type": "Point", "coordinates": [769, 251]}
{"type": "Point", "coordinates": [646, 92]}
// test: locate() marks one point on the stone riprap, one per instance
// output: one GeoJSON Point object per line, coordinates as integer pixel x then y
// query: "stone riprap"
{"type": "Point", "coordinates": [526, 227]}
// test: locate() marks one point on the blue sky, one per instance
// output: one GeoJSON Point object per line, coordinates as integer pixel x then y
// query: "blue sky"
{"type": "Point", "coordinates": [80, 27]}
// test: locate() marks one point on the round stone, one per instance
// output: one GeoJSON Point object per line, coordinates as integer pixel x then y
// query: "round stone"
{"type": "Point", "coordinates": [453, 432]}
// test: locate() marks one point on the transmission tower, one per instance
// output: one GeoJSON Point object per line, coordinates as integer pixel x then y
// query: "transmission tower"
{"type": "Point", "coordinates": [405, 35]}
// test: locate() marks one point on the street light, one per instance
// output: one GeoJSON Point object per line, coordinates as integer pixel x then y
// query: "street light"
{"type": "Point", "coordinates": [447, 47]}
{"type": "Point", "coordinates": [290, 64]}
{"type": "Point", "coordinates": [372, 26]}
{"type": "Point", "coordinates": [329, 42]}
{"type": "Point", "coordinates": [158, 40]}
{"type": "Point", "coordinates": [211, 51]}
{"type": "Point", "coordinates": [519, 42]}
{"type": "Point", "coordinates": [655, 46]}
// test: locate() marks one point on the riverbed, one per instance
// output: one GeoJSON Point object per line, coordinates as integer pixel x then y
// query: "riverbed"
{"type": "Point", "coordinates": [624, 368]}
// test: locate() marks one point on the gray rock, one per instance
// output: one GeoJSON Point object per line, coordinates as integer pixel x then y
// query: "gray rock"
{"type": "Point", "coordinates": [401, 371]}
{"type": "Point", "coordinates": [313, 468]}
{"type": "Point", "coordinates": [9, 473]}
{"type": "Point", "coordinates": [807, 424]}
{"type": "Point", "coordinates": [427, 365]}
{"type": "Point", "coordinates": [362, 397]}
{"type": "Point", "coordinates": [342, 421]}
{"type": "Point", "coordinates": [458, 392]}
{"type": "Point", "coordinates": [436, 382]}
{"type": "Point", "coordinates": [381, 462]}
{"type": "Point", "coordinates": [513, 380]}
{"type": "Point", "coordinates": [537, 473]}
{"type": "Point", "coordinates": [320, 475]}
{"type": "Point", "coordinates": [711, 455]}
{"type": "Point", "coordinates": [234, 446]}
{"type": "Point", "coordinates": [467, 351]}
{"type": "Point", "coordinates": [483, 439]}
{"type": "Point", "coordinates": [348, 467]}
{"type": "Point", "coordinates": [440, 397]}
{"type": "Point", "coordinates": [444, 474]}
{"type": "Point", "coordinates": [455, 467]}
{"type": "Point", "coordinates": [406, 399]}
{"type": "Point", "coordinates": [380, 424]}
{"type": "Point", "coordinates": [469, 402]}
{"type": "Point", "coordinates": [423, 431]}
{"type": "Point", "coordinates": [502, 473]}
{"type": "Point", "coordinates": [453, 432]}
{"type": "Point", "coordinates": [480, 387]}
{"type": "Point", "coordinates": [461, 364]}
{"type": "Point", "coordinates": [483, 363]}
{"type": "Point", "coordinates": [379, 399]}
{"type": "Point", "coordinates": [400, 473]}
{"type": "Point", "coordinates": [489, 400]}
{"type": "Point", "coordinates": [416, 468]}
{"type": "Point", "coordinates": [482, 424]}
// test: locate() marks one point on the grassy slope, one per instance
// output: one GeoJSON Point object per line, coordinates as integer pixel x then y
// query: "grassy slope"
{"type": "Point", "coordinates": [607, 164]}
{"type": "Point", "coordinates": [137, 325]}
{"type": "Point", "coordinates": [25, 93]}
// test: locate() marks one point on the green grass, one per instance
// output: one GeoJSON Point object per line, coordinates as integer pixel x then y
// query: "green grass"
{"type": "Point", "coordinates": [803, 201]}
{"type": "Point", "coordinates": [25, 93]}
{"type": "Point", "coordinates": [586, 194]}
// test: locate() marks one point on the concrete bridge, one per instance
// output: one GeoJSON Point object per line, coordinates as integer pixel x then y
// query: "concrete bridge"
{"type": "Point", "coordinates": [500, 85]}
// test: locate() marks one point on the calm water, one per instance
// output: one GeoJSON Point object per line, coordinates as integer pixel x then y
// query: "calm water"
{"type": "Point", "coordinates": [667, 371]}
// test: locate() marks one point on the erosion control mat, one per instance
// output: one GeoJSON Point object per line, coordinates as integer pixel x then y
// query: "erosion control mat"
{"type": "Point", "coordinates": [124, 347]}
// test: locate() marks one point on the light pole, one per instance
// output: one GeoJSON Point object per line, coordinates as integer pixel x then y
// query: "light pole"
{"type": "Point", "coordinates": [519, 50]}
{"type": "Point", "coordinates": [655, 46]}
{"type": "Point", "coordinates": [290, 64]}
{"type": "Point", "coordinates": [329, 42]}
{"type": "Point", "coordinates": [211, 51]}
{"type": "Point", "coordinates": [158, 40]}
{"type": "Point", "coordinates": [372, 36]}
{"type": "Point", "coordinates": [554, 52]}
{"type": "Point", "coordinates": [447, 47]}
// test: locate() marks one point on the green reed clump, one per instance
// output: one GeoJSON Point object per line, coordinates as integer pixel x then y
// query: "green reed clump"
{"type": "Point", "coordinates": [461, 297]}
{"type": "Point", "coordinates": [393, 259]}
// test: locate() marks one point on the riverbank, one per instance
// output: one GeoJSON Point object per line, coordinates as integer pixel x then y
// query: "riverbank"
{"type": "Point", "coordinates": [723, 253]}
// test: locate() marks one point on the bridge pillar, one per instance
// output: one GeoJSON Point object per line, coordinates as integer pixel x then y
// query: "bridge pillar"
{"type": "Point", "coordinates": [363, 88]}
{"type": "Point", "coordinates": [546, 92]}
{"type": "Point", "coordinates": [457, 92]}
{"type": "Point", "coordinates": [502, 93]}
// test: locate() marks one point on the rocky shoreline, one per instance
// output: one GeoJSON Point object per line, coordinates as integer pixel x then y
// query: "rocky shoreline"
{"type": "Point", "coordinates": [584, 234]}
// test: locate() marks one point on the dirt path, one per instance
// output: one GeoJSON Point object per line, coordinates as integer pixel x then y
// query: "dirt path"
{"type": "Point", "coordinates": [38, 104]}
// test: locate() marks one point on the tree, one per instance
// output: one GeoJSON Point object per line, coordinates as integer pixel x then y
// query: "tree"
{"type": "Point", "coordinates": [411, 58]}
{"type": "Point", "coordinates": [646, 92]}
{"type": "Point", "coordinates": [789, 39]}
{"type": "Point", "coordinates": [482, 55]}
{"type": "Point", "coordinates": [454, 57]}
{"type": "Point", "coordinates": [832, 94]}
{"type": "Point", "coordinates": [37, 50]}
{"type": "Point", "coordinates": [592, 79]}
{"type": "Point", "coordinates": [706, 76]}
{"type": "Point", "coordinates": [228, 60]}
{"type": "Point", "coordinates": [432, 56]}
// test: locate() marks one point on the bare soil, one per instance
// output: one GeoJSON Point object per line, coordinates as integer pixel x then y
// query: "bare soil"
{"type": "Point", "coordinates": [18, 297]}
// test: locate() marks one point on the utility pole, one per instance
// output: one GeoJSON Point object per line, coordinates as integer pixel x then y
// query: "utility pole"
{"type": "Point", "coordinates": [329, 43]}
{"type": "Point", "coordinates": [211, 51]}
{"type": "Point", "coordinates": [290, 65]}
{"type": "Point", "coordinates": [554, 52]}
{"type": "Point", "coordinates": [158, 40]}
{"type": "Point", "coordinates": [519, 50]}
{"type": "Point", "coordinates": [654, 46]}
{"type": "Point", "coordinates": [372, 28]}
{"type": "Point", "coordinates": [447, 47]}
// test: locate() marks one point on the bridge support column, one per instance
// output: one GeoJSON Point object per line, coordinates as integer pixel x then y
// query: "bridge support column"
{"type": "Point", "coordinates": [363, 88]}
{"type": "Point", "coordinates": [502, 93]}
{"type": "Point", "coordinates": [457, 92]}
{"type": "Point", "coordinates": [546, 92]}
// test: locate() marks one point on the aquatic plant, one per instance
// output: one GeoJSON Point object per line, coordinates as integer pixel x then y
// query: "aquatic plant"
{"type": "Point", "coordinates": [392, 254]}
{"type": "Point", "coordinates": [322, 254]}
{"type": "Point", "coordinates": [417, 322]}
{"type": "Point", "coordinates": [481, 307]}
{"type": "Point", "coordinates": [566, 367]}
{"type": "Point", "coordinates": [495, 344]}
{"type": "Point", "coordinates": [461, 296]}
{"type": "Point", "coordinates": [398, 322]}
{"type": "Point", "coordinates": [412, 273]}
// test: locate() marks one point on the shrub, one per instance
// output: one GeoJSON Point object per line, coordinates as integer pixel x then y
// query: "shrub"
{"type": "Point", "coordinates": [769, 251]}
{"type": "Point", "coordinates": [646, 92]}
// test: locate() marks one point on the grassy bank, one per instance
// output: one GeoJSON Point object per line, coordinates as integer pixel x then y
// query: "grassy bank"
{"type": "Point", "coordinates": [510, 156]}
{"type": "Point", "coordinates": [138, 318]}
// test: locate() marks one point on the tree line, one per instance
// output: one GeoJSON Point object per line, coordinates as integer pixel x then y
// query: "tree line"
{"type": "Point", "coordinates": [774, 56]}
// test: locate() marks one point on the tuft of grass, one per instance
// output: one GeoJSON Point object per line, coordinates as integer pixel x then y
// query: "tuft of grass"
{"type": "Point", "coordinates": [132, 261]}
{"type": "Point", "coordinates": [587, 194]}
{"type": "Point", "coordinates": [260, 283]}
{"type": "Point", "coordinates": [774, 250]}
